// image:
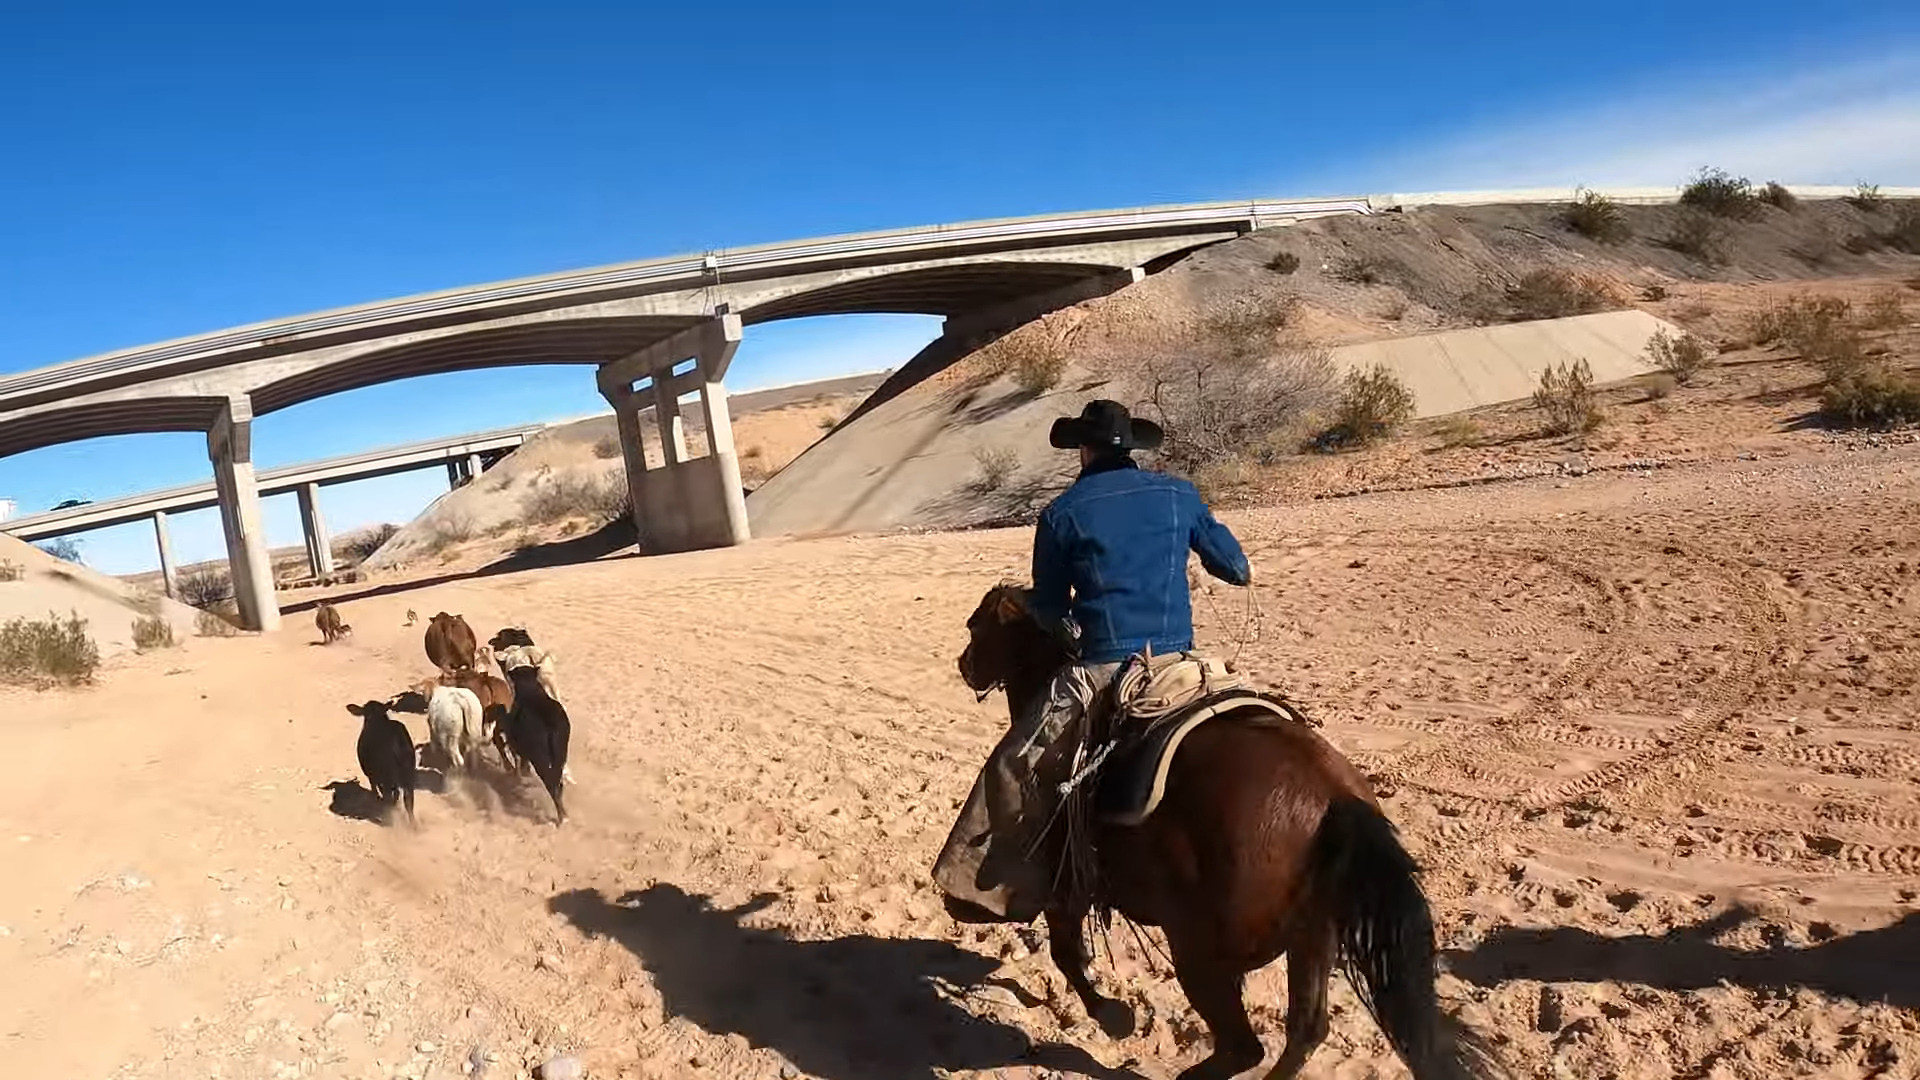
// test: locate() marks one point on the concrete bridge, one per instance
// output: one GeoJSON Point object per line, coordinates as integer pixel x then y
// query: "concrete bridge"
{"type": "Point", "coordinates": [463, 456]}
{"type": "Point", "coordinates": [657, 331]}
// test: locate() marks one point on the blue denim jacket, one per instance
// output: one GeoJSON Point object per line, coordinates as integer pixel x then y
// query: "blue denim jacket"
{"type": "Point", "coordinates": [1111, 552]}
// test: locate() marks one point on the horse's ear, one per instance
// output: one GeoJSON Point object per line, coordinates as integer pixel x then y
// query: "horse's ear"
{"type": "Point", "coordinates": [1011, 606]}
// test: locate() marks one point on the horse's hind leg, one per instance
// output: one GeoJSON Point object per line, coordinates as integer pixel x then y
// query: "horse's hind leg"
{"type": "Point", "coordinates": [1066, 940]}
{"type": "Point", "coordinates": [1212, 986]}
{"type": "Point", "coordinates": [1309, 967]}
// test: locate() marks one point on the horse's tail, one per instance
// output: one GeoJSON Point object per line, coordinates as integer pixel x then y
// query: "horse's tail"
{"type": "Point", "coordinates": [1383, 928]}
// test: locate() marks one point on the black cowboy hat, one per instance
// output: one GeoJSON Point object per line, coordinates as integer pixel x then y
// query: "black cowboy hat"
{"type": "Point", "coordinates": [1105, 425]}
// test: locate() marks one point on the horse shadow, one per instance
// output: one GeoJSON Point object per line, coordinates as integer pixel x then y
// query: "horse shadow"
{"type": "Point", "coordinates": [849, 1008]}
{"type": "Point", "coordinates": [1870, 966]}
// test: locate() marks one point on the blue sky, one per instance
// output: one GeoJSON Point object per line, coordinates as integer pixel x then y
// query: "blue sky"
{"type": "Point", "coordinates": [174, 169]}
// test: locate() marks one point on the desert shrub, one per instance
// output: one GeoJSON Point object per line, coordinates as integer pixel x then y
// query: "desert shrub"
{"type": "Point", "coordinates": [210, 623]}
{"type": "Point", "coordinates": [1654, 293]}
{"type": "Point", "coordinates": [1700, 235]}
{"type": "Point", "coordinates": [993, 467]}
{"type": "Point", "coordinates": [1552, 293]}
{"type": "Point", "coordinates": [1905, 234]}
{"type": "Point", "coordinates": [1718, 193]}
{"type": "Point", "coordinates": [1682, 357]}
{"type": "Point", "coordinates": [829, 422]}
{"type": "Point", "coordinates": [1284, 262]}
{"type": "Point", "coordinates": [64, 548]}
{"type": "Point", "coordinates": [1360, 270]}
{"type": "Point", "coordinates": [361, 546]}
{"type": "Point", "coordinates": [1457, 431]}
{"type": "Point", "coordinates": [1394, 309]}
{"type": "Point", "coordinates": [49, 650]}
{"type": "Point", "coordinates": [1776, 195]}
{"type": "Point", "coordinates": [1372, 404]}
{"type": "Point", "coordinates": [572, 495]}
{"type": "Point", "coordinates": [607, 447]}
{"type": "Point", "coordinates": [1221, 403]}
{"type": "Point", "coordinates": [1867, 197]}
{"type": "Point", "coordinates": [1597, 217]}
{"type": "Point", "coordinates": [1820, 328]}
{"type": "Point", "coordinates": [753, 465]}
{"type": "Point", "coordinates": [1033, 356]}
{"type": "Point", "coordinates": [205, 586]}
{"type": "Point", "coordinates": [1566, 395]}
{"type": "Point", "coordinates": [152, 632]}
{"type": "Point", "coordinates": [11, 571]}
{"type": "Point", "coordinates": [1883, 310]}
{"type": "Point", "coordinates": [1661, 386]}
{"type": "Point", "coordinates": [1862, 244]}
{"type": "Point", "coordinates": [1867, 394]}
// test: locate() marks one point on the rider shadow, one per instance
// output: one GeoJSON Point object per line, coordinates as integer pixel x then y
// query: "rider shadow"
{"type": "Point", "coordinates": [1873, 965]}
{"type": "Point", "coordinates": [850, 1008]}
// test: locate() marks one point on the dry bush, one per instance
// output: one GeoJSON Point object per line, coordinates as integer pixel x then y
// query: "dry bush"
{"type": "Point", "coordinates": [607, 447]}
{"type": "Point", "coordinates": [1820, 328]}
{"type": "Point", "coordinates": [1597, 217]}
{"type": "Point", "coordinates": [1552, 293]}
{"type": "Point", "coordinates": [993, 467]}
{"type": "Point", "coordinates": [829, 422]}
{"type": "Point", "coordinates": [360, 547]}
{"type": "Point", "coordinates": [210, 623]}
{"type": "Point", "coordinates": [1867, 197]}
{"type": "Point", "coordinates": [40, 652]}
{"type": "Point", "coordinates": [1776, 195]}
{"type": "Point", "coordinates": [11, 571]}
{"type": "Point", "coordinates": [1033, 355]}
{"type": "Point", "coordinates": [1566, 395]}
{"type": "Point", "coordinates": [64, 548]}
{"type": "Point", "coordinates": [1360, 269]}
{"type": "Point", "coordinates": [753, 465]}
{"type": "Point", "coordinates": [1234, 404]}
{"type": "Point", "coordinates": [1883, 310]}
{"type": "Point", "coordinates": [1905, 234]}
{"type": "Point", "coordinates": [1394, 309]}
{"type": "Point", "coordinates": [1862, 244]}
{"type": "Point", "coordinates": [1700, 235]}
{"type": "Point", "coordinates": [1285, 262]}
{"type": "Point", "coordinates": [1682, 357]}
{"type": "Point", "coordinates": [205, 586]}
{"type": "Point", "coordinates": [152, 632]}
{"type": "Point", "coordinates": [1661, 386]}
{"type": "Point", "coordinates": [1718, 193]}
{"type": "Point", "coordinates": [1457, 431]}
{"type": "Point", "coordinates": [1870, 394]}
{"type": "Point", "coordinates": [1372, 404]}
{"type": "Point", "coordinates": [1654, 293]}
{"type": "Point", "coordinates": [574, 495]}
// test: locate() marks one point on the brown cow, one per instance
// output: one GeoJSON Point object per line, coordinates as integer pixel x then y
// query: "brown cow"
{"type": "Point", "coordinates": [332, 627]}
{"type": "Point", "coordinates": [449, 642]}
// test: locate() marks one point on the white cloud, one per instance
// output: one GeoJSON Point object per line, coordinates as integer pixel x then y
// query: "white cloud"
{"type": "Point", "coordinates": [1832, 123]}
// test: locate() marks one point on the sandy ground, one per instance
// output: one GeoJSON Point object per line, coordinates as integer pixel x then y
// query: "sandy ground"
{"type": "Point", "coordinates": [1651, 733]}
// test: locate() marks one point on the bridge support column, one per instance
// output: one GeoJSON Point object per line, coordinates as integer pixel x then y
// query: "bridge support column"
{"type": "Point", "coordinates": [689, 502]}
{"type": "Point", "coordinates": [319, 544]}
{"type": "Point", "coordinates": [169, 577]}
{"type": "Point", "coordinates": [230, 446]}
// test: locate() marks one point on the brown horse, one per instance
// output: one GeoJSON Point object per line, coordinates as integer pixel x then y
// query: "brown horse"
{"type": "Point", "coordinates": [1266, 842]}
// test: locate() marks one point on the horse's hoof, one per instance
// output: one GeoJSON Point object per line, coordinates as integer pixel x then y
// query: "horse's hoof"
{"type": "Point", "coordinates": [1114, 1017]}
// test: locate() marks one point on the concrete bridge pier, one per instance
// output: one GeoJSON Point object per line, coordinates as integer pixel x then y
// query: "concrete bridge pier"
{"type": "Point", "coordinates": [163, 540]}
{"type": "Point", "coordinates": [230, 446]}
{"type": "Point", "coordinates": [687, 502]}
{"type": "Point", "coordinates": [319, 543]}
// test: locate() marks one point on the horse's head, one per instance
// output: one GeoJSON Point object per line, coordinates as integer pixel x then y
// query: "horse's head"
{"type": "Point", "coordinates": [1004, 642]}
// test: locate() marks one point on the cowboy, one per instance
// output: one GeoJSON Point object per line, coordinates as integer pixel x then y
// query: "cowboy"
{"type": "Point", "coordinates": [1109, 574]}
